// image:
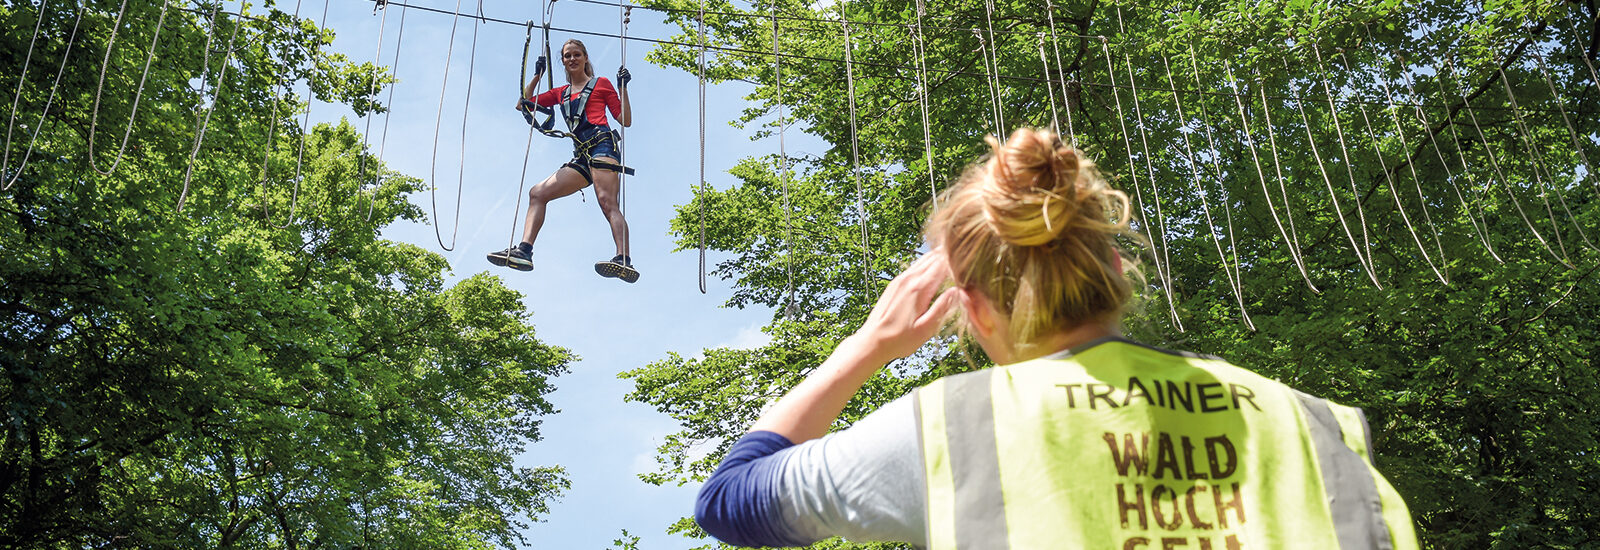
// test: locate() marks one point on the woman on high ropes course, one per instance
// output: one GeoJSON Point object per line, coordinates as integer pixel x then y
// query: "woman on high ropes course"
{"type": "Point", "coordinates": [1080, 438]}
{"type": "Point", "coordinates": [583, 102]}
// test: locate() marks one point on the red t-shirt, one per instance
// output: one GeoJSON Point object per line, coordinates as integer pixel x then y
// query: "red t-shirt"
{"type": "Point", "coordinates": [604, 96]}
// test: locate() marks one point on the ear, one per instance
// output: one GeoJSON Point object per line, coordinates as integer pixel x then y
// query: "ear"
{"type": "Point", "coordinates": [980, 313]}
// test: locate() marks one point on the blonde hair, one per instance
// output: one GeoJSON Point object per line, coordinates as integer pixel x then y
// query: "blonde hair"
{"type": "Point", "coordinates": [1034, 228]}
{"type": "Point", "coordinates": [588, 68]}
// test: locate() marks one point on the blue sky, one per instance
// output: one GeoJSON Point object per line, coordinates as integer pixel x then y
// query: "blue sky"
{"type": "Point", "coordinates": [602, 441]}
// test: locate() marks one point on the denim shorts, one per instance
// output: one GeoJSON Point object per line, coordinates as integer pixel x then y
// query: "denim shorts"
{"type": "Point", "coordinates": [605, 146]}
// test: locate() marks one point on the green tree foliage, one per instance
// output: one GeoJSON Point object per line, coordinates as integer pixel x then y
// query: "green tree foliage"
{"type": "Point", "coordinates": [1430, 164]}
{"type": "Point", "coordinates": [250, 366]}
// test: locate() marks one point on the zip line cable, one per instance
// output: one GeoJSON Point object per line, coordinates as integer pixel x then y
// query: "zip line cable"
{"type": "Point", "coordinates": [1230, 272]}
{"type": "Point", "coordinates": [1159, 248]}
{"type": "Point", "coordinates": [1290, 238]}
{"type": "Point", "coordinates": [701, 199]}
{"type": "Point", "coordinates": [22, 78]}
{"type": "Point", "coordinates": [133, 112]}
{"type": "Point", "coordinates": [438, 119]}
{"type": "Point", "coordinates": [1449, 175]}
{"type": "Point", "coordinates": [383, 141]}
{"type": "Point", "coordinates": [65, 57]}
{"type": "Point", "coordinates": [1449, 66]}
{"type": "Point", "coordinates": [216, 97]}
{"type": "Point", "coordinates": [1366, 259]}
{"type": "Point", "coordinates": [828, 22]}
{"type": "Point", "coordinates": [855, 156]}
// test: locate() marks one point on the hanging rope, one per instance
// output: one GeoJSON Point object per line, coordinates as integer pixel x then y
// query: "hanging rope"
{"type": "Point", "coordinates": [527, 150]}
{"type": "Point", "coordinates": [1366, 260]}
{"type": "Point", "coordinates": [1577, 144]}
{"type": "Point", "coordinates": [622, 130]}
{"type": "Point", "coordinates": [305, 126]}
{"type": "Point", "coordinates": [1055, 118]}
{"type": "Point", "coordinates": [855, 156]}
{"type": "Point", "coordinates": [216, 97]}
{"type": "Point", "coordinates": [1405, 145]}
{"type": "Point", "coordinates": [16, 99]}
{"type": "Point", "coordinates": [383, 142]}
{"type": "Point", "coordinates": [988, 77]}
{"type": "Point", "coordinates": [1394, 193]}
{"type": "Point", "coordinates": [1466, 172]}
{"type": "Point", "coordinates": [701, 199]}
{"type": "Point", "coordinates": [1494, 162]}
{"type": "Point", "coordinates": [1066, 97]}
{"type": "Point", "coordinates": [920, 46]}
{"type": "Point", "coordinates": [65, 57]}
{"type": "Point", "coordinates": [1450, 176]}
{"type": "Point", "coordinates": [789, 307]}
{"type": "Point", "coordinates": [1594, 76]}
{"type": "Point", "coordinates": [1159, 247]}
{"type": "Point", "coordinates": [1231, 271]}
{"type": "Point", "coordinates": [372, 90]}
{"type": "Point", "coordinates": [1533, 154]}
{"type": "Point", "coordinates": [1290, 238]}
{"type": "Point", "coordinates": [133, 112]}
{"type": "Point", "coordinates": [992, 61]}
{"type": "Point", "coordinates": [438, 119]}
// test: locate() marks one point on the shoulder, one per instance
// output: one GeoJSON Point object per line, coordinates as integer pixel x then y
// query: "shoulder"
{"type": "Point", "coordinates": [602, 83]}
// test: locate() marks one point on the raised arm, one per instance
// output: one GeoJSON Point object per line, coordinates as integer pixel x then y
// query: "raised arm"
{"type": "Point", "coordinates": [625, 116]}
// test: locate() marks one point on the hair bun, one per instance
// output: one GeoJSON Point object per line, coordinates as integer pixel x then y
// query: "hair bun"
{"type": "Point", "coordinates": [1032, 193]}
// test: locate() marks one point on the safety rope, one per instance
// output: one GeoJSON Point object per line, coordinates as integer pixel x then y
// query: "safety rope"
{"type": "Point", "coordinates": [1231, 271]}
{"type": "Point", "coordinates": [701, 199]}
{"type": "Point", "coordinates": [855, 156]}
{"type": "Point", "coordinates": [1494, 162]}
{"type": "Point", "coordinates": [622, 131]}
{"type": "Point", "coordinates": [433, 194]}
{"type": "Point", "coordinates": [1366, 260]}
{"type": "Point", "coordinates": [216, 97]}
{"type": "Point", "coordinates": [383, 141]}
{"type": "Point", "coordinates": [1290, 237]}
{"type": "Point", "coordinates": [5, 159]}
{"type": "Point", "coordinates": [920, 44]}
{"type": "Point", "coordinates": [133, 112]}
{"type": "Point", "coordinates": [65, 57]}
{"type": "Point", "coordinates": [1159, 248]}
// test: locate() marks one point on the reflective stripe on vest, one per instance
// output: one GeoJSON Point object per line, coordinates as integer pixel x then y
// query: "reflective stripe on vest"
{"type": "Point", "coordinates": [1145, 449]}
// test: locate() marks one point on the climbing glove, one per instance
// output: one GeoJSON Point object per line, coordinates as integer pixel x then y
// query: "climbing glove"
{"type": "Point", "coordinates": [623, 76]}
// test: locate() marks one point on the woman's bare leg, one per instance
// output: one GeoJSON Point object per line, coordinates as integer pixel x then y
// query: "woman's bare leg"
{"type": "Point", "coordinates": [565, 181]}
{"type": "Point", "coordinates": [607, 189]}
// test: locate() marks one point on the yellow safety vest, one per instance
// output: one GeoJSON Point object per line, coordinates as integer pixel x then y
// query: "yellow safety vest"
{"type": "Point", "coordinates": [1124, 446]}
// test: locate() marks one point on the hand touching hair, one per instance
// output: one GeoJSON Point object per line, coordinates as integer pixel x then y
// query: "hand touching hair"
{"type": "Point", "coordinates": [1033, 227]}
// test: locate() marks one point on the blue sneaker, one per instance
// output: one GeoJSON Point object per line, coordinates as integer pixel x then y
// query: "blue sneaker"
{"type": "Point", "coordinates": [513, 258]}
{"type": "Point", "coordinates": [618, 267]}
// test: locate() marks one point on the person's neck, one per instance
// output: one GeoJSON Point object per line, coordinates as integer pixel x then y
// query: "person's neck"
{"type": "Point", "coordinates": [578, 80]}
{"type": "Point", "coordinates": [1068, 339]}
